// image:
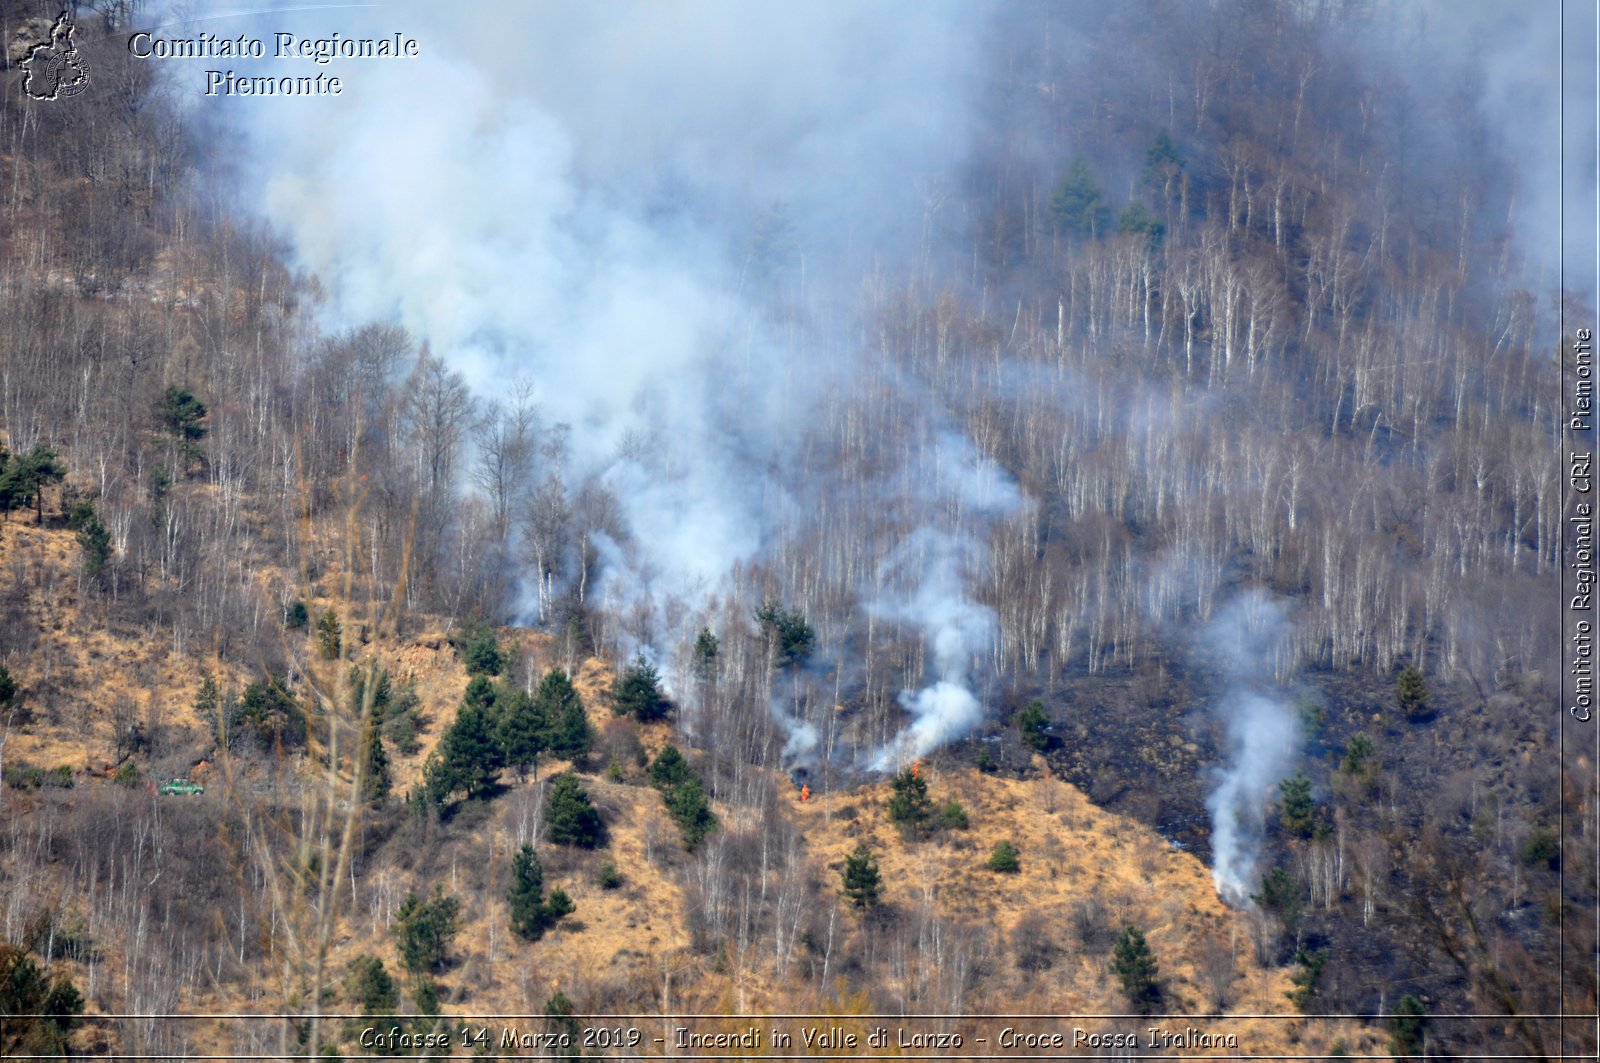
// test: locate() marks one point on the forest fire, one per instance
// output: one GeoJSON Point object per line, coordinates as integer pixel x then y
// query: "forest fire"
{"type": "Point", "coordinates": [886, 508]}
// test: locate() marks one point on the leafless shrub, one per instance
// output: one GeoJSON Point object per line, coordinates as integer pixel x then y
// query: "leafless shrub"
{"type": "Point", "coordinates": [1093, 924]}
{"type": "Point", "coordinates": [1217, 967]}
{"type": "Point", "coordinates": [1033, 944]}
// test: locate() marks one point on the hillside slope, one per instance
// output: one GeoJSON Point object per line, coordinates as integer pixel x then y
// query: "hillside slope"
{"type": "Point", "coordinates": [948, 934]}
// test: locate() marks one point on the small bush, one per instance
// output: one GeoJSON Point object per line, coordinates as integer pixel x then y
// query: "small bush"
{"type": "Point", "coordinates": [608, 877]}
{"type": "Point", "coordinates": [1092, 925]}
{"type": "Point", "coordinates": [1357, 753]}
{"type": "Point", "coordinates": [1305, 979]}
{"type": "Point", "coordinates": [691, 811]}
{"type": "Point", "coordinates": [402, 720]}
{"type": "Point", "coordinates": [128, 775]}
{"type": "Point", "coordinates": [330, 636]}
{"type": "Point", "coordinates": [953, 817]}
{"type": "Point", "coordinates": [425, 929]}
{"type": "Point", "coordinates": [1411, 695]}
{"type": "Point", "coordinates": [1033, 944]}
{"type": "Point", "coordinates": [32, 777]}
{"type": "Point", "coordinates": [1542, 847]}
{"type": "Point", "coordinates": [531, 913]}
{"type": "Point", "coordinates": [1032, 723]}
{"type": "Point", "coordinates": [296, 617]}
{"type": "Point", "coordinates": [476, 643]}
{"type": "Point", "coordinates": [1004, 859]}
{"type": "Point", "coordinates": [371, 987]}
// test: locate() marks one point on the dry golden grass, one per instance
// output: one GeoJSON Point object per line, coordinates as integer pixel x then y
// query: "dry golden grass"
{"type": "Point", "coordinates": [621, 940]}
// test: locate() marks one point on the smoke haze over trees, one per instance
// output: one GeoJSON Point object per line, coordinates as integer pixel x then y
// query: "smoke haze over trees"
{"type": "Point", "coordinates": [850, 377]}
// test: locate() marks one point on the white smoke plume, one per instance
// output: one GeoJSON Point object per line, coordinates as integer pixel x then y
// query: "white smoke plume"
{"type": "Point", "coordinates": [565, 193]}
{"type": "Point", "coordinates": [958, 631]}
{"type": "Point", "coordinates": [1250, 637]}
{"type": "Point", "coordinates": [1533, 80]}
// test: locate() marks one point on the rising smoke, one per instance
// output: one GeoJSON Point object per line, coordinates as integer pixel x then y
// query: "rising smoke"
{"type": "Point", "coordinates": [567, 195]}
{"type": "Point", "coordinates": [933, 568]}
{"type": "Point", "coordinates": [1250, 640]}
{"type": "Point", "coordinates": [1533, 80]}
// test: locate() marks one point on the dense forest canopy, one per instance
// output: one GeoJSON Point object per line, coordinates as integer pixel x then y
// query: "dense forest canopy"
{"type": "Point", "coordinates": [849, 378]}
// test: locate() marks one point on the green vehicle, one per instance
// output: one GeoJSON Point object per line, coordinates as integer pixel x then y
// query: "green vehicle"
{"type": "Point", "coordinates": [182, 787]}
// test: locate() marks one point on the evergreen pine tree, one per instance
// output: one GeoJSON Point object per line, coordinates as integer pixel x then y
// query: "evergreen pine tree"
{"type": "Point", "coordinates": [377, 782]}
{"type": "Point", "coordinates": [1162, 163]}
{"type": "Point", "coordinates": [1137, 221]}
{"type": "Point", "coordinates": [669, 770]}
{"type": "Point", "coordinates": [27, 475]}
{"type": "Point", "coordinates": [689, 808]}
{"type": "Point", "coordinates": [705, 655]}
{"type": "Point", "coordinates": [520, 731]}
{"type": "Point", "coordinates": [791, 637]}
{"type": "Point", "coordinates": [568, 734]}
{"type": "Point", "coordinates": [180, 413]}
{"type": "Point", "coordinates": [1078, 206]}
{"type": "Point", "coordinates": [372, 988]}
{"type": "Point", "coordinates": [1280, 896]}
{"type": "Point", "coordinates": [563, 1034]}
{"type": "Point", "coordinates": [438, 780]}
{"type": "Point", "coordinates": [909, 804]}
{"type": "Point", "coordinates": [330, 636]}
{"type": "Point", "coordinates": [1357, 752]}
{"type": "Point", "coordinates": [637, 692]}
{"type": "Point", "coordinates": [1406, 1026]}
{"type": "Point", "coordinates": [861, 877]}
{"type": "Point", "coordinates": [481, 694]}
{"type": "Point", "coordinates": [529, 916]}
{"type": "Point", "coordinates": [1135, 967]}
{"type": "Point", "coordinates": [471, 754]}
{"type": "Point", "coordinates": [1297, 810]}
{"type": "Point", "coordinates": [425, 930]}
{"type": "Point", "coordinates": [93, 539]}
{"type": "Point", "coordinates": [37, 1014]}
{"type": "Point", "coordinates": [569, 816]}
{"type": "Point", "coordinates": [208, 702]}
{"type": "Point", "coordinates": [1005, 858]}
{"type": "Point", "coordinates": [1411, 694]}
{"type": "Point", "coordinates": [684, 796]}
